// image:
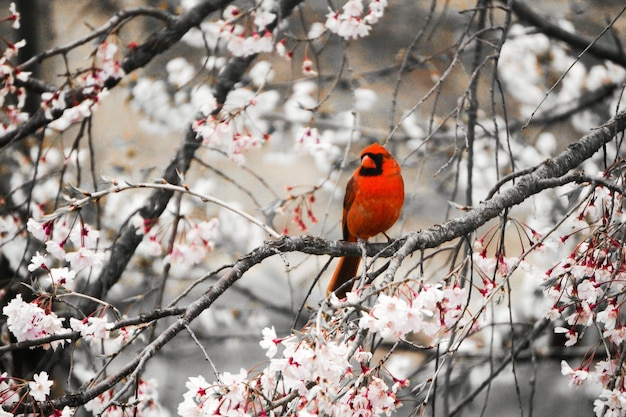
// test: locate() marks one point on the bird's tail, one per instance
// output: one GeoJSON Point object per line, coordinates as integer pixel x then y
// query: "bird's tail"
{"type": "Point", "coordinates": [346, 270]}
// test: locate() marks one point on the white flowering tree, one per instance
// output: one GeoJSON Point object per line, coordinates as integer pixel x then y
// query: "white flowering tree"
{"type": "Point", "coordinates": [507, 120]}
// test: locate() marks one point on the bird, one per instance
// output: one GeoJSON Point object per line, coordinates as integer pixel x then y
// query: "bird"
{"type": "Point", "coordinates": [372, 204]}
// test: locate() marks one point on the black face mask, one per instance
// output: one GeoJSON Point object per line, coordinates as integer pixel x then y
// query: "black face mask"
{"type": "Point", "coordinates": [377, 170]}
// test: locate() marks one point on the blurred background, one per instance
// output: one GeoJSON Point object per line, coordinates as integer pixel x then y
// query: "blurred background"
{"type": "Point", "coordinates": [140, 124]}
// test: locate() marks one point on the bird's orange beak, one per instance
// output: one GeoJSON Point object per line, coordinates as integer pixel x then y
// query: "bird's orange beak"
{"type": "Point", "coordinates": [368, 162]}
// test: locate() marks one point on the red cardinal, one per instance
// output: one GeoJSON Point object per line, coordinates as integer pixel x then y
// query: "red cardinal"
{"type": "Point", "coordinates": [373, 202]}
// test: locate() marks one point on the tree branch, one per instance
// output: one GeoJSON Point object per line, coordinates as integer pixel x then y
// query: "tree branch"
{"type": "Point", "coordinates": [527, 14]}
{"type": "Point", "coordinates": [112, 24]}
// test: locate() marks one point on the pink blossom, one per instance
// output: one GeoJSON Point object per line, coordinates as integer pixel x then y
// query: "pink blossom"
{"type": "Point", "coordinates": [62, 276]}
{"type": "Point", "coordinates": [605, 371]}
{"type": "Point", "coordinates": [376, 10]}
{"type": "Point", "coordinates": [582, 315]}
{"type": "Point", "coordinates": [96, 405]}
{"type": "Point", "coordinates": [577, 377]}
{"type": "Point", "coordinates": [394, 317]}
{"type": "Point", "coordinates": [36, 229]}
{"type": "Point", "coordinates": [616, 335]}
{"type": "Point", "coordinates": [270, 342]}
{"type": "Point", "coordinates": [28, 321]}
{"type": "Point", "coordinates": [553, 314]}
{"type": "Point", "coordinates": [353, 28]}
{"type": "Point", "coordinates": [307, 68]}
{"type": "Point", "coordinates": [124, 335]}
{"type": "Point", "coordinates": [37, 261]}
{"type": "Point", "coordinates": [55, 249]}
{"type": "Point", "coordinates": [487, 265]}
{"type": "Point", "coordinates": [39, 387]}
{"type": "Point", "coordinates": [186, 253]}
{"type": "Point", "coordinates": [213, 132]}
{"type": "Point", "coordinates": [84, 258]}
{"type": "Point", "coordinates": [587, 291]}
{"type": "Point", "coordinates": [382, 400]}
{"type": "Point", "coordinates": [610, 403]}
{"type": "Point", "coordinates": [15, 115]}
{"type": "Point", "coordinates": [52, 101]}
{"type": "Point", "coordinates": [152, 245]}
{"type": "Point", "coordinates": [67, 412]}
{"type": "Point", "coordinates": [570, 334]}
{"type": "Point", "coordinates": [85, 235]}
{"type": "Point", "coordinates": [92, 329]}
{"type": "Point", "coordinates": [332, 22]}
{"type": "Point", "coordinates": [231, 12]}
{"type": "Point", "coordinates": [15, 16]}
{"type": "Point", "coordinates": [13, 49]}
{"type": "Point", "coordinates": [353, 8]}
{"type": "Point", "coordinates": [263, 18]}
{"type": "Point", "coordinates": [307, 140]}
{"type": "Point", "coordinates": [608, 316]}
{"type": "Point", "coordinates": [281, 49]}
{"type": "Point", "coordinates": [197, 399]}
{"type": "Point", "coordinates": [242, 144]}
{"type": "Point", "coordinates": [242, 46]}
{"type": "Point", "coordinates": [109, 66]}
{"type": "Point", "coordinates": [74, 114]}
{"type": "Point", "coordinates": [350, 24]}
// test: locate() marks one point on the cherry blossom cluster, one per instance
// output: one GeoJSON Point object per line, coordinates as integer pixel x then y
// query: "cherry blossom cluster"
{"type": "Point", "coordinates": [587, 293]}
{"type": "Point", "coordinates": [242, 32]}
{"type": "Point", "coordinates": [307, 139]}
{"type": "Point", "coordinates": [246, 32]}
{"type": "Point", "coordinates": [492, 269]}
{"type": "Point", "coordinates": [316, 373]}
{"type": "Point", "coordinates": [35, 320]}
{"type": "Point", "coordinates": [324, 369]}
{"type": "Point", "coordinates": [166, 112]}
{"type": "Point", "coordinates": [197, 240]}
{"type": "Point", "coordinates": [587, 286]}
{"type": "Point", "coordinates": [432, 309]}
{"type": "Point", "coordinates": [74, 243]}
{"type": "Point", "coordinates": [322, 146]}
{"type": "Point", "coordinates": [30, 321]}
{"type": "Point", "coordinates": [239, 126]}
{"type": "Point", "coordinates": [69, 249]}
{"type": "Point", "coordinates": [106, 66]}
{"type": "Point", "coordinates": [10, 92]}
{"type": "Point", "coordinates": [299, 110]}
{"type": "Point", "coordinates": [300, 208]}
{"type": "Point", "coordinates": [352, 22]}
